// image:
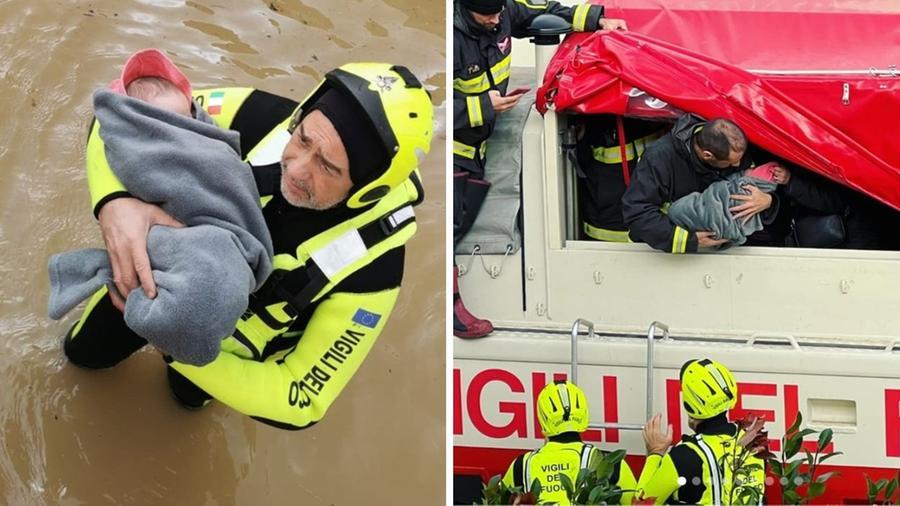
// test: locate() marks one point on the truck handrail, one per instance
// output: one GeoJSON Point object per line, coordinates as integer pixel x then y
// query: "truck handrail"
{"type": "Point", "coordinates": [652, 331]}
{"type": "Point", "coordinates": [771, 336]}
{"type": "Point", "coordinates": [575, 328]}
{"type": "Point", "coordinates": [651, 334]}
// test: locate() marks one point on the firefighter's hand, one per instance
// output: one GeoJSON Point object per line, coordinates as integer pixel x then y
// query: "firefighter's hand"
{"type": "Point", "coordinates": [655, 440]}
{"type": "Point", "coordinates": [751, 205]}
{"type": "Point", "coordinates": [125, 224]}
{"type": "Point", "coordinates": [782, 174]}
{"type": "Point", "coordinates": [503, 104]}
{"type": "Point", "coordinates": [612, 24]}
{"type": "Point", "coordinates": [708, 240]}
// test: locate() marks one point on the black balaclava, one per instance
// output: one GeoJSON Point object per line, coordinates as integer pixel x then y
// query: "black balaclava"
{"type": "Point", "coordinates": [486, 7]}
{"type": "Point", "coordinates": [365, 150]}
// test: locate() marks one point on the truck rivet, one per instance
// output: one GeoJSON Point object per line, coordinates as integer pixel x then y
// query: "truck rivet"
{"type": "Point", "coordinates": [598, 278]}
{"type": "Point", "coordinates": [845, 286]}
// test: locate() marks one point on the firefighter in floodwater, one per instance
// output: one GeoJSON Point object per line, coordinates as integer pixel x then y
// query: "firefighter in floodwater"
{"type": "Point", "coordinates": [337, 174]}
{"type": "Point", "coordinates": [692, 472]}
{"type": "Point", "coordinates": [563, 414]}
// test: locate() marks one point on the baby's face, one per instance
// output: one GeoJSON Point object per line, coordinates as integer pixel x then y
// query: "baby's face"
{"type": "Point", "coordinates": [172, 102]}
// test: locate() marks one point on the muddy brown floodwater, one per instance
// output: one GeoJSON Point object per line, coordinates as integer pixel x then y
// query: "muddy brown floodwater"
{"type": "Point", "coordinates": [71, 436]}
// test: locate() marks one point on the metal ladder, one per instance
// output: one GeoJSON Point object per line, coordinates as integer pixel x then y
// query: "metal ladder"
{"type": "Point", "coordinates": [651, 337]}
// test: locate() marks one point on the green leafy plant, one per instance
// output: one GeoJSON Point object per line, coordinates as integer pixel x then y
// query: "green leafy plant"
{"type": "Point", "coordinates": [497, 492]}
{"type": "Point", "coordinates": [594, 485]}
{"type": "Point", "coordinates": [799, 480]}
{"type": "Point", "coordinates": [884, 491]}
{"type": "Point", "coordinates": [745, 461]}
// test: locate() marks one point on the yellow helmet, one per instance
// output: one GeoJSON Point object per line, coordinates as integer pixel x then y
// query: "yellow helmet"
{"type": "Point", "coordinates": [561, 407]}
{"type": "Point", "coordinates": [397, 106]}
{"type": "Point", "coordinates": [707, 388]}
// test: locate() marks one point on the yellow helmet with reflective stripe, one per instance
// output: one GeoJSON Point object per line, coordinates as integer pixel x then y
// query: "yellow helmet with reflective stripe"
{"type": "Point", "coordinates": [707, 388]}
{"type": "Point", "coordinates": [561, 407]}
{"type": "Point", "coordinates": [400, 110]}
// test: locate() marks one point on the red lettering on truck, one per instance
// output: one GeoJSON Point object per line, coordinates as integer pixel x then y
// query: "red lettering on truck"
{"type": "Point", "coordinates": [517, 424]}
{"type": "Point", "coordinates": [892, 422]}
{"type": "Point", "coordinates": [762, 389]}
{"type": "Point", "coordinates": [457, 404]}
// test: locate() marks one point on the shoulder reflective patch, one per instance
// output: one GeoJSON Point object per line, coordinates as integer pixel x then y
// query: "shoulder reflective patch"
{"type": "Point", "coordinates": [340, 253]}
{"type": "Point", "coordinates": [270, 149]}
{"type": "Point", "coordinates": [366, 319]}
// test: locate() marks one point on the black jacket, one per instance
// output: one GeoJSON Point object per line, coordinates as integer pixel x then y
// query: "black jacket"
{"type": "Point", "coordinates": [669, 170]}
{"type": "Point", "coordinates": [602, 183]}
{"type": "Point", "coordinates": [482, 62]}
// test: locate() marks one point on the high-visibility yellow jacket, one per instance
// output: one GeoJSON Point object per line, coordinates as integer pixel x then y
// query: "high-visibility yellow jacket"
{"type": "Point", "coordinates": [567, 457]}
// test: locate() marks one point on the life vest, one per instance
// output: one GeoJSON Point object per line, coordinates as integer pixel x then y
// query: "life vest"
{"type": "Point", "coordinates": [554, 459]}
{"type": "Point", "coordinates": [322, 261]}
{"type": "Point", "coordinates": [717, 453]}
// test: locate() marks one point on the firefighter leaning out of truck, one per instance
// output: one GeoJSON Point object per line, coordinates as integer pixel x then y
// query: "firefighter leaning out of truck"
{"type": "Point", "coordinates": [563, 414]}
{"type": "Point", "coordinates": [697, 470]}
{"type": "Point", "coordinates": [482, 47]}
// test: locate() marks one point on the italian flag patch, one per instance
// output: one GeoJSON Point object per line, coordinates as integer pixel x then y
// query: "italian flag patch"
{"type": "Point", "coordinates": [215, 102]}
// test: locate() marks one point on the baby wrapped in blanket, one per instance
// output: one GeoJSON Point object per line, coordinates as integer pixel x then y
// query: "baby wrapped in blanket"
{"type": "Point", "coordinates": [192, 169]}
{"type": "Point", "coordinates": [709, 210]}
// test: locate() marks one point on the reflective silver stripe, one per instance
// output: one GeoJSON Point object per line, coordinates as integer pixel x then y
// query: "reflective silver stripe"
{"type": "Point", "coordinates": [679, 240]}
{"type": "Point", "coordinates": [717, 376]}
{"type": "Point", "coordinates": [401, 215]}
{"type": "Point", "coordinates": [500, 71]}
{"type": "Point", "coordinates": [477, 84]}
{"type": "Point", "coordinates": [340, 253]}
{"type": "Point", "coordinates": [530, 5]}
{"type": "Point", "coordinates": [713, 470]}
{"type": "Point", "coordinates": [580, 17]}
{"type": "Point", "coordinates": [473, 107]}
{"type": "Point", "coordinates": [586, 455]}
{"type": "Point", "coordinates": [526, 472]}
{"type": "Point", "coordinates": [564, 396]}
{"type": "Point", "coordinates": [463, 150]}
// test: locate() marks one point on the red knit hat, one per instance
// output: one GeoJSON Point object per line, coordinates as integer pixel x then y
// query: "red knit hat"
{"type": "Point", "coordinates": [766, 172]}
{"type": "Point", "coordinates": [151, 63]}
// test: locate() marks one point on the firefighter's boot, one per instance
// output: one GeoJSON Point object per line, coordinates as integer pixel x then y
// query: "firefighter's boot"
{"type": "Point", "coordinates": [465, 324]}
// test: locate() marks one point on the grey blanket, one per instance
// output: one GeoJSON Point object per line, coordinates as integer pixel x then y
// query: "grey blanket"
{"type": "Point", "coordinates": [204, 272]}
{"type": "Point", "coordinates": [709, 210]}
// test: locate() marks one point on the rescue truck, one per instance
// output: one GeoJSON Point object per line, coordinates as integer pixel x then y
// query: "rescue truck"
{"type": "Point", "coordinates": [814, 331]}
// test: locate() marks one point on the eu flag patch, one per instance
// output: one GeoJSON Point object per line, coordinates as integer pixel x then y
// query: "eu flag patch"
{"type": "Point", "coordinates": [366, 319]}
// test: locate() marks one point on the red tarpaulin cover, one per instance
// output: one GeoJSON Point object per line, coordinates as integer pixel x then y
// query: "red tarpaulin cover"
{"type": "Point", "coordinates": [814, 82]}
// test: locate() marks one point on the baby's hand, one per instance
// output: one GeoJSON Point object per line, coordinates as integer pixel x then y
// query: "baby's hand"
{"type": "Point", "coordinates": [781, 175]}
